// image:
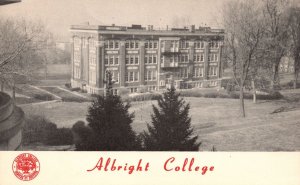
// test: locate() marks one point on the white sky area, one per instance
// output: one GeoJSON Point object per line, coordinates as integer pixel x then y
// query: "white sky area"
{"type": "Point", "coordinates": [58, 15]}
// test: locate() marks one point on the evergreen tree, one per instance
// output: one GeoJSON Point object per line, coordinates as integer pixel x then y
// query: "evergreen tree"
{"type": "Point", "coordinates": [111, 122]}
{"type": "Point", "coordinates": [171, 125]}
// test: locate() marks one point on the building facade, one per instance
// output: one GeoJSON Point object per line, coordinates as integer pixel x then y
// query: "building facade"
{"type": "Point", "coordinates": [143, 59]}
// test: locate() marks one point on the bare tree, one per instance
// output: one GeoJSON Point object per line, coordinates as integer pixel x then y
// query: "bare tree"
{"type": "Point", "coordinates": [21, 43]}
{"type": "Point", "coordinates": [244, 29]}
{"type": "Point", "coordinates": [294, 32]}
{"type": "Point", "coordinates": [276, 34]}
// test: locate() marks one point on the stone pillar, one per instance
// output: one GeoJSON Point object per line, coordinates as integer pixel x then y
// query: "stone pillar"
{"type": "Point", "coordinates": [191, 56]}
{"type": "Point", "coordinates": [220, 62]}
{"type": "Point", "coordinates": [102, 65]}
{"type": "Point", "coordinates": [122, 63]}
{"type": "Point", "coordinates": [206, 62]}
{"type": "Point", "coordinates": [142, 62]}
{"type": "Point", "coordinates": [72, 57]}
{"type": "Point", "coordinates": [99, 60]}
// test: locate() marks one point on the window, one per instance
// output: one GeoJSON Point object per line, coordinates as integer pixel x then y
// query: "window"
{"type": "Point", "coordinates": [198, 72]}
{"type": "Point", "coordinates": [115, 76]}
{"type": "Point", "coordinates": [186, 58]}
{"type": "Point", "coordinates": [150, 45]}
{"type": "Point", "coordinates": [136, 60]}
{"type": "Point", "coordinates": [146, 59]}
{"type": "Point", "coordinates": [127, 45]}
{"type": "Point", "coordinates": [116, 60]}
{"type": "Point", "coordinates": [201, 57]}
{"type": "Point", "coordinates": [111, 60]}
{"type": "Point", "coordinates": [213, 57]}
{"type": "Point", "coordinates": [136, 45]}
{"type": "Point", "coordinates": [150, 75]}
{"type": "Point", "coordinates": [150, 60]}
{"type": "Point", "coordinates": [132, 76]}
{"type": "Point", "coordinates": [213, 71]}
{"type": "Point", "coordinates": [111, 44]}
{"type": "Point", "coordinates": [214, 44]}
{"type": "Point", "coordinates": [131, 44]}
{"type": "Point", "coordinates": [116, 44]}
{"type": "Point", "coordinates": [146, 45]}
{"type": "Point", "coordinates": [131, 60]}
{"type": "Point", "coordinates": [133, 90]}
{"type": "Point", "coordinates": [155, 45]}
{"type": "Point", "coordinates": [127, 60]}
{"type": "Point", "coordinates": [154, 59]}
{"type": "Point", "coordinates": [183, 72]}
{"type": "Point", "coordinates": [184, 44]}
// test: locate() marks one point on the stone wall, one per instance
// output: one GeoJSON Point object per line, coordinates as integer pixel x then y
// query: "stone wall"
{"type": "Point", "coordinates": [11, 123]}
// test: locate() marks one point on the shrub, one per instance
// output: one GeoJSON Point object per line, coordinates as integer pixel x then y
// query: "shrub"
{"type": "Point", "coordinates": [211, 95]}
{"type": "Point", "coordinates": [68, 85]}
{"type": "Point", "coordinates": [38, 129]}
{"type": "Point", "coordinates": [75, 89]}
{"type": "Point", "coordinates": [83, 135]}
{"type": "Point", "coordinates": [46, 97]}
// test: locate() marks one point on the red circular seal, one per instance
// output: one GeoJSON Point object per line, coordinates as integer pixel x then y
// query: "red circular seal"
{"type": "Point", "coordinates": [26, 167]}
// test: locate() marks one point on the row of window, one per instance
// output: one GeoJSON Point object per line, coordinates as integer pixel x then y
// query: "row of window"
{"type": "Point", "coordinates": [150, 75]}
{"type": "Point", "coordinates": [198, 72]}
{"type": "Point", "coordinates": [213, 57]}
{"type": "Point", "coordinates": [111, 44]}
{"type": "Point", "coordinates": [185, 44]}
{"type": "Point", "coordinates": [132, 60]}
{"type": "Point", "coordinates": [111, 60]}
{"type": "Point", "coordinates": [150, 59]}
{"type": "Point", "coordinates": [132, 76]}
{"type": "Point", "coordinates": [151, 44]}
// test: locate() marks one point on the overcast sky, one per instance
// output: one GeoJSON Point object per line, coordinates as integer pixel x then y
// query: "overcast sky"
{"type": "Point", "coordinates": [58, 15]}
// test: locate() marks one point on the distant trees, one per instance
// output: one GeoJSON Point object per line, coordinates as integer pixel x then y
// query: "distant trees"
{"type": "Point", "coordinates": [294, 33]}
{"type": "Point", "coordinates": [276, 34]}
{"type": "Point", "coordinates": [171, 128]}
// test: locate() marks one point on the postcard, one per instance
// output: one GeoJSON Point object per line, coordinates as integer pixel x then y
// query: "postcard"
{"type": "Point", "coordinates": [149, 92]}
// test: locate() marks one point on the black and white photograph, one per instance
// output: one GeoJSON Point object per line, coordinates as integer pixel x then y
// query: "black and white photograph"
{"type": "Point", "coordinates": [150, 75]}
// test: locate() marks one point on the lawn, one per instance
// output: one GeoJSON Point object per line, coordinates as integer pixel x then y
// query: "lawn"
{"type": "Point", "coordinates": [64, 94]}
{"type": "Point", "coordinates": [215, 121]}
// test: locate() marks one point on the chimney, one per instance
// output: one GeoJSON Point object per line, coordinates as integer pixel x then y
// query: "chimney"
{"type": "Point", "coordinates": [192, 28]}
{"type": "Point", "coordinates": [150, 27]}
{"type": "Point", "coordinates": [113, 25]}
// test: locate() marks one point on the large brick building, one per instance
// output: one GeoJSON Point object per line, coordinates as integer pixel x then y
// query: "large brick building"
{"type": "Point", "coordinates": [144, 59]}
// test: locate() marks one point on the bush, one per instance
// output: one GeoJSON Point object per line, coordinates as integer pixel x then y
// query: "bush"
{"type": "Point", "coordinates": [145, 97]}
{"type": "Point", "coordinates": [273, 95]}
{"type": "Point", "coordinates": [68, 85]}
{"type": "Point", "coordinates": [37, 129]}
{"type": "Point", "coordinates": [46, 97]}
{"type": "Point", "coordinates": [83, 136]}
{"type": "Point", "coordinates": [75, 89]}
{"type": "Point", "coordinates": [211, 95]}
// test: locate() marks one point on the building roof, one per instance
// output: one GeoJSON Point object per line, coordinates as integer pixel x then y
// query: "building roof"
{"type": "Point", "coordinates": [139, 30]}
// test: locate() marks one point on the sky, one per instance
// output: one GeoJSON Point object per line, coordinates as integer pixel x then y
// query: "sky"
{"type": "Point", "coordinates": [58, 15]}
